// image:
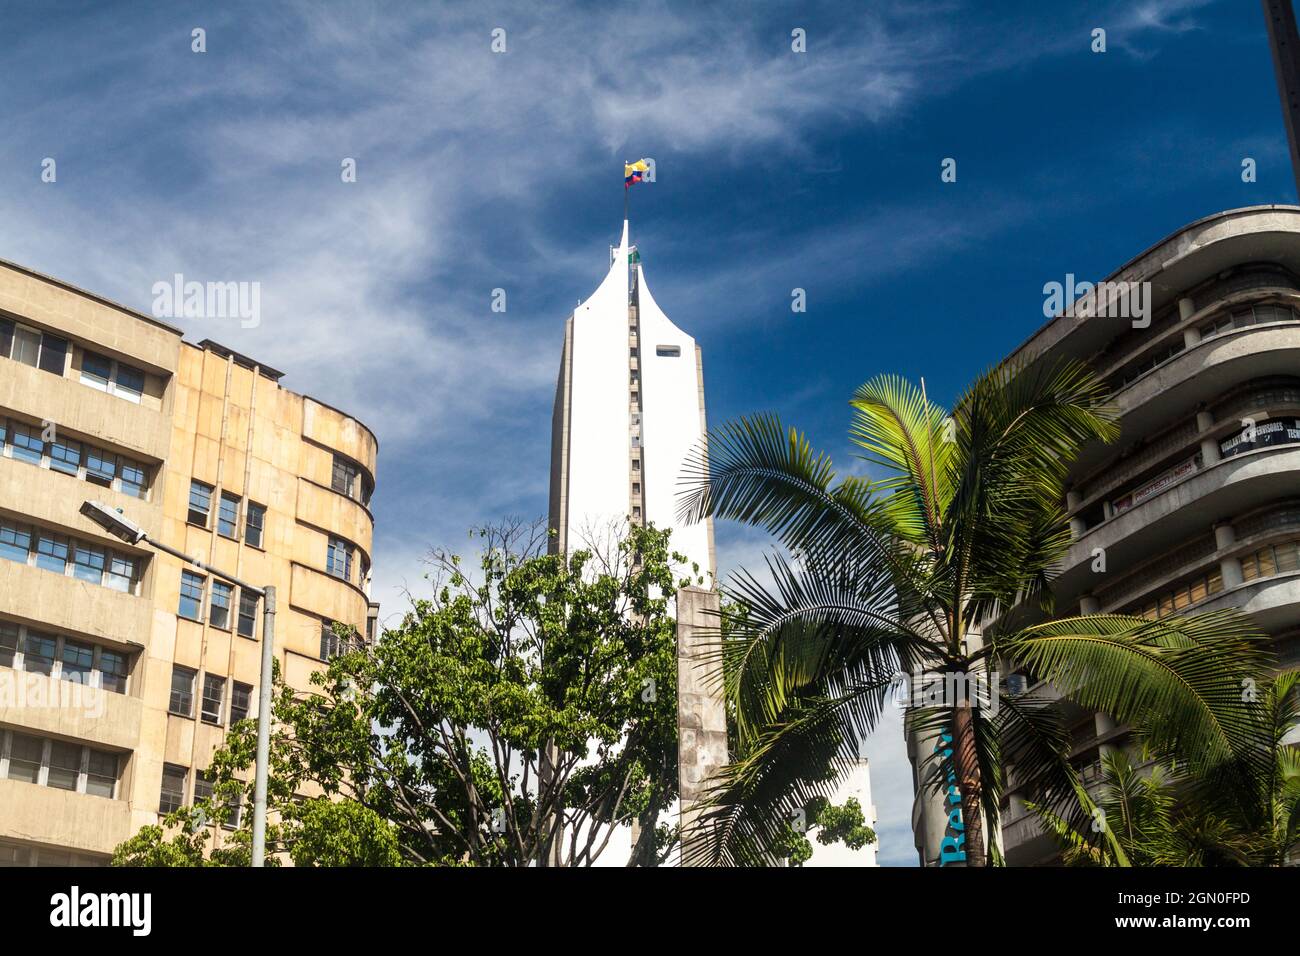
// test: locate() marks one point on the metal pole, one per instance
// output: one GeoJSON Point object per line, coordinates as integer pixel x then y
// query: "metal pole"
{"type": "Point", "coordinates": [263, 727]}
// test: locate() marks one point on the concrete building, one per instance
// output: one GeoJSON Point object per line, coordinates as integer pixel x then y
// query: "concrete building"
{"type": "Point", "coordinates": [1197, 505]}
{"type": "Point", "coordinates": [856, 786]}
{"type": "Point", "coordinates": [120, 667]}
{"type": "Point", "coordinates": [628, 413]}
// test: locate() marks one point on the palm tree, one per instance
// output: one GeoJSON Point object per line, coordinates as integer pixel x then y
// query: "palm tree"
{"type": "Point", "coordinates": [1163, 818]}
{"type": "Point", "coordinates": [966, 526]}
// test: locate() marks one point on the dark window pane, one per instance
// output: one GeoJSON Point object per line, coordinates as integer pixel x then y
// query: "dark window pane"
{"type": "Point", "coordinates": [253, 521]}
{"type": "Point", "coordinates": [219, 606]}
{"type": "Point", "coordinates": [65, 765]}
{"type": "Point", "coordinates": [200, 503]}
{"type": "Point", "coordinates": [25, 758]}
{"type": "Point", "coordinates": [173, 788]}
{"type": "Point", "coordinates": [247, 613]}
{"type": "Point", "coordinates": [78, 659]}
{"type": "Point", "coordinates": [228, 515]}
{"type": "Point", "coordinates": [100, 466]}
{"type": "Point", "coordinates": [38, 653]}
{"type": "Point", "coordinates": [241, 701]}
{"type": "Point", "coordinates": [191, 595]}
{"type": "Point", "coordinates": [182, 695]}
{"type": "Point", "coordinates": [53, 350]}
{"type": "Point", "coordinates": [65, 456]}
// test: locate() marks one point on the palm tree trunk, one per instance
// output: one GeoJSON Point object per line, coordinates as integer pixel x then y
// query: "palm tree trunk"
{"type": "Point", "coordinates": [966, 767]}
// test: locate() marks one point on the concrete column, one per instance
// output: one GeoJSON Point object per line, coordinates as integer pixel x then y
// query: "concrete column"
{"type": "Point", "coordinates": [1209, 447]}
{"type": "Point", "coordinates": [1104, 724]}
{"type": "Point", "coordinates": [1191, 336]}
{"type": "Point", "coordinates": [701, 712]}
{"type": "Point", "coordinates": [1225, 536]}
{"type": "Point", "coordinates": [1089, 605]}
{"type": "Point", "coordinates": [1072, 501]}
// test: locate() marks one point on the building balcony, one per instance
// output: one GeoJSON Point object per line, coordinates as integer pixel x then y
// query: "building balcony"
{"type": "Point", "coordinates": [1181, 509]}
{"type": "Point", "coordinates": [74, 606]}
{"type": "Point", "coordinates": [61, 818]}
{"type": "Point", "coordinates": [324, 508]}
{"type": "Point", "coordinates": [41, 396]}
{"type": "Point", "coordinates": [60, 708]}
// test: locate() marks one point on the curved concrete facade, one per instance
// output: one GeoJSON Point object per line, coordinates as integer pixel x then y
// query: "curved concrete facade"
{"type": "Point", "coordinates": [1193, 508]}
{"type": "Point", "coordinates": [128, 645]}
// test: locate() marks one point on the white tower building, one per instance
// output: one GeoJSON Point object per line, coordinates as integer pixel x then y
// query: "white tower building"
{"type": "Point", "coordinates": [629, 412]}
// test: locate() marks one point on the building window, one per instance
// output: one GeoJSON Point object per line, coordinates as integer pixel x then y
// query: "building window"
{"type": "Point", "coordinates": [15, 543]}
{"type": "Point", "coordinates": [241, 700]}
{"type": "Point", "coordinates": [39, 653]}
{"type": "Point", "coordinates": [247, 613]}
{"type": "Point", "coordinates": [26, 754]}
{"type": "Point", "coordinates": [219, 606]}
{"type": "Point", "coordinates": [228, 515]}
{"type": "Point", "coordinates": [106, 375]}
{"type": "Point", "coordinates": [100, 467]}
{"type": "Point", "coordinates": [668, 351]}
{"type": "Point", "coordinates": [59, 764]}
{"type": "Point", "coordinates": [636, 464]}
{"type": "Point", "coordinates": [65, 456]}
{"type": "Point", "coordinates": [132, 478]}
{"type": "Point", "coordinates": [254, 519]}
{"type": "Point", "coordinates": [37, 349]}
{"type": "Point", "coordinates": [181, 702]}
{"type": "Point", "coordinates": [214, 693]}
{"type": "Point", "coordinates": [636, 487]}
{"type": "Point", "coordinates": [191, 596]}
{"type": "Point", "coordinates": [113, 668]}
{"type": "Point", "coordinates": [121, 574]}
{"type": "Point", "coordinates": [77, 661]}
{"type": "Point", "coordinates": [64, 766]}
{"type": "Point", "coordinates": [88, 563]}
{"type": "Point", "coordinates": [101, 773]}
{"type": "Point", "coordinates": [338, 559]}
{"type": "Point", "coordinates": [8, 644]}
{"type": "Point", "coordinates": [27, 444]}
{"type": "Point", "coordinates": [62, 657]}
{"type": "Point", "coordinates": [52, 552]}
{"type": "Point", "coordinates": [331, 644]}
{"type": "Point", "coordinates": [200, 503]}
{"type": "Point", "coordinates": [345, 477]}
{"type": "Point", "coordinates": [172, 797]}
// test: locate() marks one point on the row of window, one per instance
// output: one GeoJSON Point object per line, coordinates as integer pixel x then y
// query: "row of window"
{"type": "Point", "coordinates": [1250, 315]}
{"type": "Point", "coordinates": [1264, 562]}
{"type": "Point", "coordinates": [219, 604]}
{"type": "Point", "coordinates": [346, 479]}
{"type": "Point", "coordinates": [48, 352]}
{"type": "Point", "coordinates": [212, 704]}
{"type": "Point", "coordinates": [200, 511]}
{"type": "Point", "coordinates": [63, 658]}
{"type": "Point", "coordinates": [173, 794]}
{"type": "Point", "coordinates": [22, 854]}
{"type": "Point", "coordinates": [1185, 595]}
{"type": "Point", "coordinates": [44, 549]}
{"type": "Point", "coordinates": [58, 764]}
{"type": "Point", "coordinates": [23, 442]}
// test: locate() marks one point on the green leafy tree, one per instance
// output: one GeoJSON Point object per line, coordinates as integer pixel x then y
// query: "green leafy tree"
{"type": "Point", "coordinates": [899, 574]}
{"type": "Point", "coordinates": [516, 717]}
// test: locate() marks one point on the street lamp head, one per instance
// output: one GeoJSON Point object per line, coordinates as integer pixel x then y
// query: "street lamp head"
{"type": "Point", "coordinates": [113, 521]}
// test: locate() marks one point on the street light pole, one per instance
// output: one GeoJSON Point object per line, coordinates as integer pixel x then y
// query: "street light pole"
{"type": "Point", "coordinates": [118, 525]}
{"type": "Point", "coordinates": [263, 728]}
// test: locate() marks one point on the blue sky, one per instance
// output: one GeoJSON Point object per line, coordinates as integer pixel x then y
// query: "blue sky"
{"type": "Point", "coordinates": [479, 170]}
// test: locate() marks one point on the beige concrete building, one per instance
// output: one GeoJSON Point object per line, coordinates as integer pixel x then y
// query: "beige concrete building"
{"type": "Point", "coordinates": [121, 668]}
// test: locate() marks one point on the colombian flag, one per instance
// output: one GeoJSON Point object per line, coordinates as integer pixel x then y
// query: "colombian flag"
{"type": "Point", "coordinates": [632, 172]}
